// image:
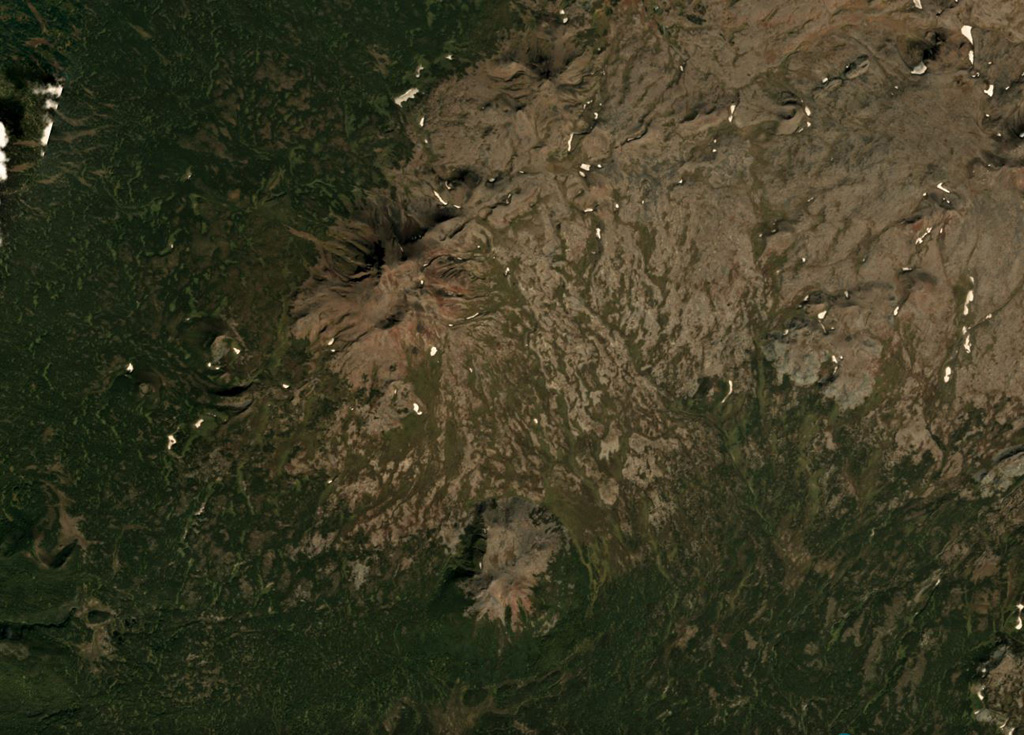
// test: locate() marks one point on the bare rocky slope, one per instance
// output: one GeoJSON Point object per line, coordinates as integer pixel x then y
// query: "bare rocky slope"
{"type": "Point", "coordinates": [631, 228]}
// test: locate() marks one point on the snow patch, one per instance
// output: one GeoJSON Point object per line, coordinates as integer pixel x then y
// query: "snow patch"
{"type": "Point", "coordinates": [406, 95]}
